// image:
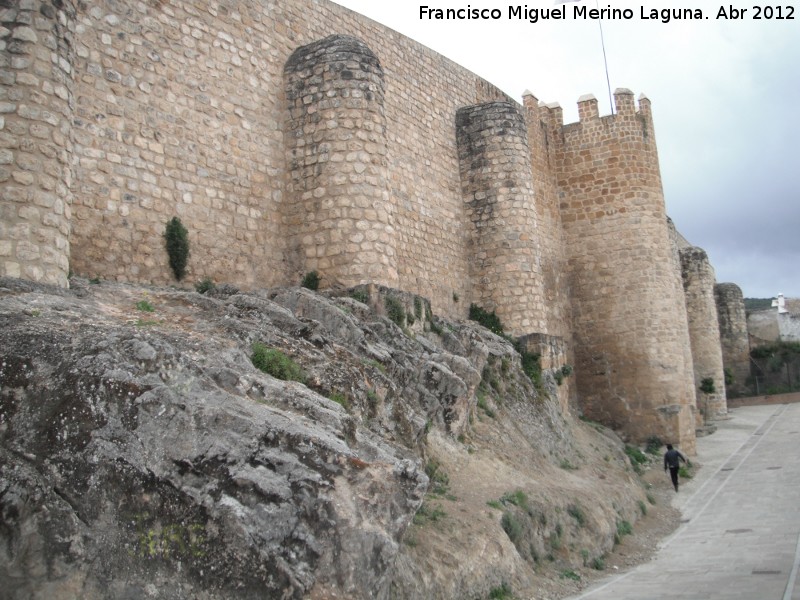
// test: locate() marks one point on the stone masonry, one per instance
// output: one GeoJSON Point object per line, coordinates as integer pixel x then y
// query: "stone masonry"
{"type": "Point", "coordinates": [733, 335]}
{"type": "Point", "coordinates": [339, 217]}
{"type": "Point", "coordinates": [704, 332]}
{"type": "Point", "coordinates": [628, 310]}
{"type": "Point", "coordinates": [36, 148]}
{"type": "Point", "coordinates": [297, 135]}
{"type": "Point", "coordinates": [498, 194]}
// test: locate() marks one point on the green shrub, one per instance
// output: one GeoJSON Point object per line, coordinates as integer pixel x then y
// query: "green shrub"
{"type": "Point", "coordinates": [598, 564]}
{"type": "Point", "coordinates": [566, 370]}
{"type": "Point", "coordinates": [360, 294]}
{"type": "Point", "coordinates": [624, 528]}
{"type": "Point", "coordinates": [576, 512]}
{"type": "Point", "coordinates": [439, 480]}
{"type": "Point", "coordinates": [570, 574]}
{"type": "Point", "coordinates": [503, 592]}
{"type": "Point", "coordinates": [484, 406]}
{"type": "Point", "coordinates": [517, 498]}
{"type": "Point", "coordinates": [654, 445]}
{"type": "Point", "coordinates": [275, 363]}
{"type": "Point", "coordinates": [177, 241]}
{"type": "Point", "coordinates": [707, 385]}
{"type": "Point", "coordinates": [206, 285]}
{"type": "Point", "coordinates": [340, 399]}
{"type": "Point", "coordinates": [144, 306]}
{"type": "Point", "coordinates": [369, 362]}
{"type": "Point", "coordinates": [729, 378]}
{"type": "Point", "coordinates": [532, 367]}
{"type": "Point", "coordinates": [637, 456]}
{"type": "Point", "coordinates": [427, 513]}
{"type": "Point", "coordinates": [511, 526]}
{"type": "Point", "coordinates": [490, 320]}
{"type": "Point", "coordinates": [395, 310]}
{"type": "Point", "coordinates": [311, 281]}
{"type": "Point", "coordinates": [643, 508]}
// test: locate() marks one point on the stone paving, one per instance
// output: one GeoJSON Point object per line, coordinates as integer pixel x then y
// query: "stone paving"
{"type": "Point", "coordinates": [741, 519]}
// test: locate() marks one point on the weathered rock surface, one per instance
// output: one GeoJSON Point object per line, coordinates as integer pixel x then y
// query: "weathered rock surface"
{"type": "Point", "coordinates": [142, 454]}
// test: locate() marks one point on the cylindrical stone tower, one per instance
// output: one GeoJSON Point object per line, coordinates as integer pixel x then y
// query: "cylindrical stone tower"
{"type": "Point", "coordinates": [701, 307]}
{"type": "Point", "coordinates": [733, 336]}
{"type": "Point", "coordinates": [338, 210]}
{"type": "Point", "coordinates": [35, 139]}
{"type": "Point", "coordinates": [497, 186]}
{"type": "Point", "coordinates": [629, 312]}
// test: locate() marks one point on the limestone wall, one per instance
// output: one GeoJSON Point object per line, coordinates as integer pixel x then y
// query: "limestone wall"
{"type": "Point", "coordinates": [181, 110]}
{"type": "Point", "coordinates": [704, 332]}
{"type": "Point", "coordinates": [733, 336]}
{"type": "Point", "coordinates": [630, 329]}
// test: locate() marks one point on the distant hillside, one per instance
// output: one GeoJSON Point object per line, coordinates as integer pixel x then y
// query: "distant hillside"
{"type": "Point", "coordinates": [751, 304]}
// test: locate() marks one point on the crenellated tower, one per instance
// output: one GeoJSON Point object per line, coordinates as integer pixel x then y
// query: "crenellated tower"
{"type": "Point", "coordinates": [628, 311]}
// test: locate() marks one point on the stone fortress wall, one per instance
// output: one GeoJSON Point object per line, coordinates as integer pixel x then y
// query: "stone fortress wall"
{"type": "Point", "coordinates": [295, 136]}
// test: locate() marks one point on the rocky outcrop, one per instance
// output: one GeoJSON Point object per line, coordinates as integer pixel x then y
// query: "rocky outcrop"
{"type": "Point", "coordinates": [143, 455]}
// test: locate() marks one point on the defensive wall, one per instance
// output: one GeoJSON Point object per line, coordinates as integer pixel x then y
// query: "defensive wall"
{"type": "Point", "coordinates": [296, 136]}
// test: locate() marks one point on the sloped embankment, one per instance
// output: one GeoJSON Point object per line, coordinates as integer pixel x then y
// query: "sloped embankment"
{"type": "Point", "coordinates": [143, 455]}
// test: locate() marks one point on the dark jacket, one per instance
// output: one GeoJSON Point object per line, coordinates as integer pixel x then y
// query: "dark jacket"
{"type": "Point", "coordinates": [672, 459]}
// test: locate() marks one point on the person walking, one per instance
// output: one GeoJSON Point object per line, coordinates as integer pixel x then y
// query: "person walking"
{"type": "Point", "coordinates": [672, 460]}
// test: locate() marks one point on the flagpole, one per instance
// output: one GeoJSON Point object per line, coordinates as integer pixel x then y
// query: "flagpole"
{"type": "Point", "coordinates": [603, 45]}
{"type": "Point", "coordinates": [605, 60]}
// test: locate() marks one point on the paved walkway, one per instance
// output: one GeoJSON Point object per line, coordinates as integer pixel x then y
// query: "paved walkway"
{"type": "Point", "coordinates": [740, 537]}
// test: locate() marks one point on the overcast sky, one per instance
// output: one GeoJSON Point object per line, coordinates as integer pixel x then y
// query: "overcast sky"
{"type": "Point", "coordinates": [726, 105]}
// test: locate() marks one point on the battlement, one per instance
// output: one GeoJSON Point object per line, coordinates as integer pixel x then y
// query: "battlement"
{"type": "Point", "coordinates": [625, 108]}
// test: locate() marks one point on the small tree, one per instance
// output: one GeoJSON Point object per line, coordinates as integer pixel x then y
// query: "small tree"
{"type": "Point", "coordinates": [707, 385]}
{"type": "Point", "coordinates": [176, 238]}
{"type": "Point", "coordinates": [311, 281]}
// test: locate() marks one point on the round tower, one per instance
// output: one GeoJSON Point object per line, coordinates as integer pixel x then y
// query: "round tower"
{"type": "Point", "coordinates": [338, 211]}
{"type": "Point", "coordinates": [35, 130]}
{"type": "Point", "coordinates": [733, 336]}
{"type": "Point", "coordinates": [629, 311]}
{"type": "Point", "coordinates": [497, 186]}
{"type": "Point", "coordinates": [701, 307]}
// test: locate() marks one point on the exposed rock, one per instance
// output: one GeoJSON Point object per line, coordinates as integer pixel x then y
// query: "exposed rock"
{"type": "Point", "coordinates": [143, 455]}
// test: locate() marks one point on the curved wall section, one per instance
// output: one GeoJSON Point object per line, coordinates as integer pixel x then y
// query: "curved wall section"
{"type": "Point", "coordinates": [497, 185]}
{"type": "Point", "coordinates": [629, 314]}
{"type": "Point", "coordinates": [338, 211]}
{"type": "Point", "coordinates": [35, 139]}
